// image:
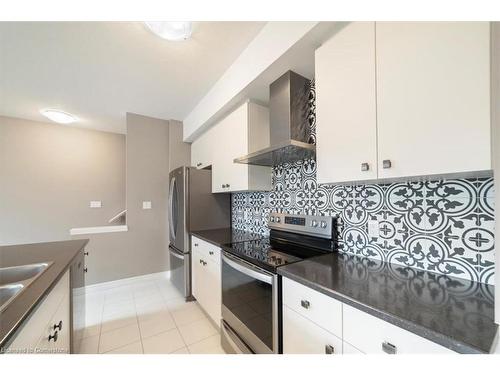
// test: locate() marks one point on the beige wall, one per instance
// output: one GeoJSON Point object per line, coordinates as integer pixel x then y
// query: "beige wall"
{"type": "Point", "coordinates": [48, 175]}
{"type": "Point", "coordinates": [154, 147]}
{"type": "Point", "coordinates": [147, 180]}
{"type": "Point", "coordinates": [179, 151]}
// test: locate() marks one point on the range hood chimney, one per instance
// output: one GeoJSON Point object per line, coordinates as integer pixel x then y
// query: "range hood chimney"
{"type": "Point", "coordinates": [289, 124]}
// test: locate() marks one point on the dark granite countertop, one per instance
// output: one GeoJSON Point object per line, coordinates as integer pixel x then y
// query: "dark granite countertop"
{"type": "Point", "coordinates": [222, 236]}
{"type": "Point", "coordinates": [455, 313]}
{"type": "Point", "coordinates": [60, 253]}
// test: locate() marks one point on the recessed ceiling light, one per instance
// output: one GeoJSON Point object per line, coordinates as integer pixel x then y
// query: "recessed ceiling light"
{"type": "Point", "coordinates": [174, 31]}
{"type": "Point", "coordinates": [58, 116]}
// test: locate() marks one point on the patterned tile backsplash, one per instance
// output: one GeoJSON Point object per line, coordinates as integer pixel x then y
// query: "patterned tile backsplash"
{"type": "Point", "coordinates": [444, 226]}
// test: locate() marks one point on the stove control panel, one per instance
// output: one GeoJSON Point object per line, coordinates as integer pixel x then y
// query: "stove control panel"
{"type": "Point", "coordinates": [317, 226]}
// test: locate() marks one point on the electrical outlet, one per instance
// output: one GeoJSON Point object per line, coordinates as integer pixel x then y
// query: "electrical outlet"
{"type": "Point", "coordinates": [95, 204]}
{"type": "Point", "coordinates": [373, 230]}
{"type": "Point", "coordinates": [146, 205]}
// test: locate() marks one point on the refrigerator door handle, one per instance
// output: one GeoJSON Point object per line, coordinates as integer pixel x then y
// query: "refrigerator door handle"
{"type": "Point", "coordinates": [171, 210]}
{"type": "Point", "coordinates": [175, 253]}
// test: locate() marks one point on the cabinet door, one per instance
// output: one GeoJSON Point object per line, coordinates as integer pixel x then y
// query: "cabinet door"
{"type": "Point", "coordinates": [196, 277]}
{"type": "Point", "coordinates": [231, 142]}
{"type": "Point", "coordinates": [212, 290]}
{"type": "Point", "coordinates": [433, 104]}
{"type": "Point", "coordinates": [301, 336]}
{"type": "Point", "coordinates": [202, 150]}
{"type": "Point", "coordinates": [59, 342]}
{"type": "Point", "coordinates": [345, 105]}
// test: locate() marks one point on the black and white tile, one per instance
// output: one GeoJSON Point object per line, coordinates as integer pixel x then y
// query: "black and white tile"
{"type": "Point", "coordinates": [444, 226]}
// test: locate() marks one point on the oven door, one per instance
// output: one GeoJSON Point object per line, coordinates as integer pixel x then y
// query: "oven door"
{"type": "Point", "coordinates": [250, 306]}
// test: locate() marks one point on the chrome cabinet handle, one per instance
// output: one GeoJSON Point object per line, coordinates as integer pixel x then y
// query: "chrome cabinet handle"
{"type": "Point", "coordinates": [305, 304]}
{"type": "Point", "coordinates": [86, 253]}
{"type": "Point", "coordinates": [386, 164]}
{"type": "Point", "coordinates": [329, 349]}
{"type": "Point", "coordinates": [54, 336]}
{"type": "Point", "coordinates": [86, 269]}
{"type": "Point", "coordinates": [195, 245]}
{"type": "Point", "coordinates": [365, 167]}
{"type": "Point", "coordinates": [211, 252]}
{"type": "Point", "coordinates": [389, 348]}
{"type": "Point", "coordinates": [198, 164]}
{"type": "Point", "coordinates": [58, 326]}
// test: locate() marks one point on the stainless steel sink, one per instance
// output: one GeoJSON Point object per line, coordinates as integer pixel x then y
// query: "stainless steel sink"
{"type": "Point", "coordinates": [13, 280]}
{"type": "Point", "coordinates": [16, 274]}
{"type": "Point", "coordinates": [8, 292]}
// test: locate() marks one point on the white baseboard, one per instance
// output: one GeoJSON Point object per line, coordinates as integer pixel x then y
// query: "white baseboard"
{"type": "Point", "coordinates": [127, 281]}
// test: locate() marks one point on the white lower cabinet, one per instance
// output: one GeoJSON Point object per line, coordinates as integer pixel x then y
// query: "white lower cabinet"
{"type": "Point", "coordinates": [349, 349]}
{"type": "Point", "coordinates": [206, 278]}
{"type": "Point", "coordinates": [375, 336]}
{"type": "Point", "coordinates": [302, 336]}
{"type": "Point", "coordinates": [47, 331]}
{"type": "Point", "coordinates": [326, 312]}
{"type": "Point", "coordinates": [316, 323]}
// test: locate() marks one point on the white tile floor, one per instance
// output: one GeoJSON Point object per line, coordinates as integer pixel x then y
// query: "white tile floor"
{"type": "Point", "coordinates": [146, 316]}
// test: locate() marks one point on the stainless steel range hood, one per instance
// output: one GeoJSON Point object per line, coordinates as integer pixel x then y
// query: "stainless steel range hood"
{"type": "Point", "coordinates": [289, 124]}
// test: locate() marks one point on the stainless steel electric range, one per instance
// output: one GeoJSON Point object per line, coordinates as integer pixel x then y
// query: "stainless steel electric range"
{"type": "Point", "coordinates": [251, 287]}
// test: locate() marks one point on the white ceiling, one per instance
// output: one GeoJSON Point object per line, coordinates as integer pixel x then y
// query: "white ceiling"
{"type": "Point", "coordinates": [98, 71]}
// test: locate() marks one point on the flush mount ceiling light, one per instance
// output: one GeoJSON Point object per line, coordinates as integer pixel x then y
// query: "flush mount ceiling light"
{"type": "Point", "coordinates": [58, 116]}
{"type": "Point", "coordinates": [174, 31]}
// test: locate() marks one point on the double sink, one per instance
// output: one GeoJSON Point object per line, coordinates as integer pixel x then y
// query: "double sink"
{"type": "Point", "coordinates": [14, 279]}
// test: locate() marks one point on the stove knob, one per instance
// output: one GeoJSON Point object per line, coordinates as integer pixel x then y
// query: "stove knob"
{"type": "Point", "coordinates": [323, 224]}
{"type": "Point", "coordinates": [314, 223]}
{"type": "Point", "coordinates": [272, 219]}
{"type": "Point", "coordinates": [278, 220]}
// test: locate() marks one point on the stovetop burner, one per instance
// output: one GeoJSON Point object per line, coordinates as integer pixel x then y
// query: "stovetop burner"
{"type": "Point", "coordinates": [262, 253]}
{"type": "Point", "coordinates": [290, 240]}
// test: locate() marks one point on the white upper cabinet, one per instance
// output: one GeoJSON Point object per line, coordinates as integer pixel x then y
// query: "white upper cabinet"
{"type": "Point", "coordinates": [433, 97]}
{"type": "Point", "coordinates": [403, 99]}
{"type": "Point", "coordinates": [346, 105]}
{"type": "Point", "coordinates": [202, 150]}
{"type": "Point", "coordinates": [243, 131]}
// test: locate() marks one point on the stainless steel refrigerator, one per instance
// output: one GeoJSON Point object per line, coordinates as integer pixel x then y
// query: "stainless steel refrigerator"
{"type": "Point", "coordinates": [192, 206]}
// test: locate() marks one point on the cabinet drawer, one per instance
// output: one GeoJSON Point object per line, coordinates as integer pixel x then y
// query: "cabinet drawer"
{"type": "Point", "coordinates": [375, 336]}
{"type": "Point", "coordinates": [301, 336]}
{"type": "Point", "coordinates": [321, 309]}
{"type": "Point", "coordinates": [206, 250]}
{"type": "Point", "coordinates": [349, 349]}
{"type": "Point", "coordinates": [30, 334]}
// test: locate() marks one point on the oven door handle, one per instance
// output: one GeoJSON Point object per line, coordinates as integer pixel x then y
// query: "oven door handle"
{"type": "Point", "coordinates": [247, 269]}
